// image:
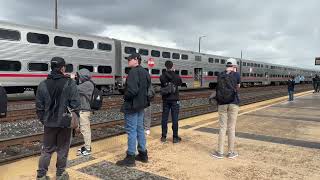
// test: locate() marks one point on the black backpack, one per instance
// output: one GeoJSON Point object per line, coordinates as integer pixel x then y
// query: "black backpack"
{"type": "Point", "coordinates": [170, 88]}
{"type": "Point", "coordinates": [3, 102]}
{"type": "Point", "coordinates": [96, 98]}
{"type": "Point", "coordinates": [226, 88]}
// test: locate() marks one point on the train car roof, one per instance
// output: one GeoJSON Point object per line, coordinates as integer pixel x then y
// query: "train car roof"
{"type": "Point", "coordinates": [14, 26]}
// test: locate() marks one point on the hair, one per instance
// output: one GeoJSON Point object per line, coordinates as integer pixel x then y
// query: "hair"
{"type": "Point", "coordinates": [168, 64]}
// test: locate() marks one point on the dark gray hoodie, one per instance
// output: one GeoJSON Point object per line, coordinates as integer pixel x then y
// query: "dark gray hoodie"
{"type": "Point", "coordinates": [85, 89]}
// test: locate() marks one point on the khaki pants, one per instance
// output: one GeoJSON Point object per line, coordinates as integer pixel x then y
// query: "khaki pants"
{"type": "Point", "coordinates": [85, 128]}
{"type": "Point", "coordinates": [227, 120]}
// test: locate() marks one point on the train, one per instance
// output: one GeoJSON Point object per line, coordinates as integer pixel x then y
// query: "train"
{"type": "Point", "coordinates": [26, 51]}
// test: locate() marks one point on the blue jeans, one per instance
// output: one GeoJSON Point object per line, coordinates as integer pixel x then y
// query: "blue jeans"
{"type": "Point", "coordinates": [166, 107]}
{"type": "Point", "coordinates": [290, 95]}
{"type": "Point", "coordinates": [135, 130]}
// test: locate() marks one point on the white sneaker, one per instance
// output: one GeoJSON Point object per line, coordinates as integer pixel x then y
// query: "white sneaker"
{"type": "Point", "coordinates": [147, 132]}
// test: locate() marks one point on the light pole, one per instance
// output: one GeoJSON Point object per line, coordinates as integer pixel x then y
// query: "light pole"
{"type": "Point", "coordinates": [200, 41]}
{"type": "Point", "coordinates": [56, 14]}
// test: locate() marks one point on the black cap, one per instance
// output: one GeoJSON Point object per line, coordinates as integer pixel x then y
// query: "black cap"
{"type": "Point", "coordinates": [57, 62]}
{"type": "Point", "coordinates": [133, 56]}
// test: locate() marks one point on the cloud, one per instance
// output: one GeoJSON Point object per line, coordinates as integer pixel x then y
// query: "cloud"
{"type": "Point", "coordinates": [136, 34]}
{"type": "Point", "coordinates": [283, 32]}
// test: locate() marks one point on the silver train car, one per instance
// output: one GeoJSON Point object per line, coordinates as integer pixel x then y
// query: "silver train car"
{"type": "Point", "coordinates": [25, 53]}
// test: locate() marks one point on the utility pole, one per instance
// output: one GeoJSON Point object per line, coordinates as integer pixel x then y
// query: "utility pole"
{"type": "Point", "coordinates": [56, 15]}
{"type": "Point", "coordinates": [200, 41]}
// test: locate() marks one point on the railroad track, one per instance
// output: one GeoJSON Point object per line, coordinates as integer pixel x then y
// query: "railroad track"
{"type": "Point", "coordinates": [32, 142]}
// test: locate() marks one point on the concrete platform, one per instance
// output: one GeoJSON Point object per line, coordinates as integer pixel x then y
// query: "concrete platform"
{"type": "Point", "coordinates": [276, 139]}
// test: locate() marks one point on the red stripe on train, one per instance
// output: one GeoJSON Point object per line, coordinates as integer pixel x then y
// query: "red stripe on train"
{"type": "Point", "coordinates": [23, 75]}
{"type": "Point", "coordinates": [43, 75]}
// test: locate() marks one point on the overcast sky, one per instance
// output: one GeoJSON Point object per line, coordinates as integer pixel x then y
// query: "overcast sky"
{"type": "Point", "coordinates": [277, 31]}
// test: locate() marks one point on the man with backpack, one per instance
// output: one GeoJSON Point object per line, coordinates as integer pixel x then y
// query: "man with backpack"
{"type": "Point", "coordinates": [136, 99]}
{"type": "Point", "coordinates": [170, 101]}
{"type": "Point", "coordinates": [85, 89]}
{"type": "Point", "coordinates": [227, 97]}
{"type": "Point", "coordinates": [56, 99]}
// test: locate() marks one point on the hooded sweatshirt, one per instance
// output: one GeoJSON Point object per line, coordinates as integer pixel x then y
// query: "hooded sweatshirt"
{"type": "Point", "coordinates": [85, 89]}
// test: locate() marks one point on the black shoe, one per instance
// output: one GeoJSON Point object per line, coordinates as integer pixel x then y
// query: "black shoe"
{"type": "Point", "coordinates": [142, 156]}
{"type": "Point", "coordinates": [128, 161]}
{"type": "Point", "coordinates": [176, 139]}
{"type": "Point", "coordinates": [163, 139]}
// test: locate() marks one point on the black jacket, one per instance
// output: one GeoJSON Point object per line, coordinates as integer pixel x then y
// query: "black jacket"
{"type": "Point", "coordinates": [170, 76]}
{"type": "Point", "coordinates": [54, 95]}
{"type": "Point", "coordinates": [136, 90]}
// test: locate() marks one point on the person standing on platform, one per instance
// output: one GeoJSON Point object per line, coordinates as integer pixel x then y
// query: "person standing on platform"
{"type": "Point", "coordinates": [85, 89]}
{"type": "Point", "coordinates": [56, 98]}
{"type": "Point", "coordinates": [314, 83]}
{"type": "Point", "coordinates": [170, 101]}
{"type": "Point", "coordinates": [135, 101]}
{"type": "Point", "coordinates": [317, 83]}
{"type": "Point", "coordinates": [228, 85]}
{"type": "Point", "coordinates": [291, 83]}
{"type": "Point", "coordinates": [3, 102]}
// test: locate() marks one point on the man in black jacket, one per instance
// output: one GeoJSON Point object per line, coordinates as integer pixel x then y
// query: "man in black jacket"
{"type": "Point", "coordinates": [54, 96]}
{"type": "Point", "coordinates": [170, 102]}
{"type": "Point", "coordinates": [135, 100]}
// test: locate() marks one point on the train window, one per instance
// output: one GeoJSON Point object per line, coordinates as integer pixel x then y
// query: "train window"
{"type": "Point", "coordinates": [155, 53]}
{"type": "Point", "coordinates": [197, 58]}
{"type": "Point", "coordinates": [244, 64]}
{"type": "Point", "coordinates": [177, 72]}
{"type": "Point", "coordinates": [216, 60]}
{"type": "Point", "coordinates": [10, 65]}
{"type": "Point", "coordinates": [175, 56]}
{"type": "Point", "coordinates": [105, 69]}
{"type": "Point", "coordinates": [12, 35]}
{"type": "Point", "coordinates": [238, 62]}
{"type": "Point", "coordinates": [261, 65]}
{"type": "Point", "coordinates": [244, 74]}
{"type": "Point", "coordinates": [155, 71]}
{"type": "Point", "coordinates": [210, 60]}
{"type": "Point", "coordinates": [216, 73]}
{"type": "Point", "coordinates": [184, 57]}
{"type": "Point", "coordinates": [258, 65]}
{"type": "Point", "coordinates": [184, 72]}
{"type": "Point", "coordinates": [144, 52]}
{"type": "Point", "coordinates": [63, 41]}
{"type": "Point", "coordinates": [210, 73]}
{"type": "Point", "coordinates": [223, 61]}
{"type": "Point", "coordinates": [105, 46]}
{"type": "Point", "coordinates": [38, 67]}
{"type": "Point", "coordinates": [255, 65]}
{"type": "Point", "coordinates": [251, 65]}
{"type": "Point", "coordinates": [166, 54]}
{"type": "Point", "coordinates": [163, 71]}
{"type": "Point", "coordinates": [130, 50]}
{"type": "Point", "coordinates": [126, 70]}
{"type": "Point", "coordinates": [37, 38]}
{"type": "Point", "coordinates": [90, 68]}
{"type": "Point", "coordinates": [69, 68]}
{"type": "Point", "coordinates": [85, 44]}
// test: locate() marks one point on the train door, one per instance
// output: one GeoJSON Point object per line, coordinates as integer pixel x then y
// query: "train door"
{"type": "Point", "coordinates": [266, 76]}
{"type": "Point", "coordinates": [197, 77]}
